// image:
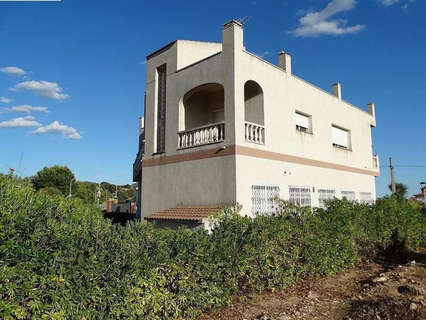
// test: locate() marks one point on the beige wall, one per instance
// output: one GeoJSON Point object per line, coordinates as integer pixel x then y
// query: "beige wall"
{"type": "Point", "coordinates": [283, 95]}
{"type": "Point", "coordinates": [285, 174]}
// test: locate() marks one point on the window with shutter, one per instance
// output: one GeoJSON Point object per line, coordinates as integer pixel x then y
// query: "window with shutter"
{"type": "Point", "coordinates": [303, 122]}
{"type": "Point", "coordinates": [161, 108]}
{"type": "Point", "coordinates": [340, 137]}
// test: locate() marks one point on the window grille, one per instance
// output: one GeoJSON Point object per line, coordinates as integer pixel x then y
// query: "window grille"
{"type": "Point", "coordinates": [365, 198]}
{"type": "Point", "coordinates": [349, 195]}
{"type": "Point", "coordinates": [161, 108]}
{"type": "Point", "coordinates": [264, 199]}
{"type": "Point", "coordinates": [324, 195]}
{"type": "Point", "coordinates": [300, 196]}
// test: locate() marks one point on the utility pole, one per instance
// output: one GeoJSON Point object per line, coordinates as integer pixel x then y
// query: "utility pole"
{"type": "Point", "coordinates": [98, 194]}
{"type": "Point", "coordinates": [392, 176]}
{"type": "Point", "coordinates": [70, 194]}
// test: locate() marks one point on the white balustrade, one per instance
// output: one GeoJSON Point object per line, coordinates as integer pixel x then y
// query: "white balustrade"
{"type": "Point", "coordinates": [212, 133]}
{"type": "Point", "coordinates": [255, 133]}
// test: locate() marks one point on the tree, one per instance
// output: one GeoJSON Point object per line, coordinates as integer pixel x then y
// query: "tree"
{"type": "Point", "coordinates": [58, 177]}
{"type": "Point", "coordinates": [400, 190]}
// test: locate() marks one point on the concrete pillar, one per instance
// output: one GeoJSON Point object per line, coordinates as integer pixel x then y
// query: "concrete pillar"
{"type": "Point", "coordinates": [232, 37]}
{"type": "Point", "coordinates": [372, 111]}
{"type": "Point", "coordinates": [284, 61]}
{"type": "Point", "coordinates": [337, 90]}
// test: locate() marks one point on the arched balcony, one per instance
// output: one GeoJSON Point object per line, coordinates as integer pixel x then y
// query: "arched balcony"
{"type": "Point", "coordinates": [201, 116]}
{"type": "Point", "coordinates": [254, 112]}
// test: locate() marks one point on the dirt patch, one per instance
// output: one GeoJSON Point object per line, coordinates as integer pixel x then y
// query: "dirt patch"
{"type": "Point", "coordinates": [373, 291]}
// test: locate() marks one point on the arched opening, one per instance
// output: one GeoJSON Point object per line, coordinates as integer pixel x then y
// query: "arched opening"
{"type": "Point", "coordinates": [202, 116]}
{"type": "Point", "coordinates": [204, 105]}
{"type": "Point", "coordinates": [254, 113]}
{"type": "Point", "coordinates": [253, 103]}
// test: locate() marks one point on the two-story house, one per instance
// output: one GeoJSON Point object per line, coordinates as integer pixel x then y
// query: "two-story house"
{"type": "Point", "coordinates": [223, 126]}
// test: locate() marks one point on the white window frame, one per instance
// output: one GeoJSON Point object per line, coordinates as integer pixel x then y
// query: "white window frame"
{"type": "Point", "coordinates": [307, 127]}
{"type": "Point", "coordinates": [300, 196]}
{"type": "Point", "coordinates": [324, 195]}
{"type": "Point", "coordinates": [349, 195]}
{"type": "Point", "coordinates": [264, 198]}
{"type": "Point", "coordinates": [336, 141]}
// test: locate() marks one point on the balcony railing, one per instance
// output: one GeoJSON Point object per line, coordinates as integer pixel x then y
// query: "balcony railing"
{"type": "Point", "coordinates": [212, 133]}
{"type": "Point", "coordinates": [255, 133]}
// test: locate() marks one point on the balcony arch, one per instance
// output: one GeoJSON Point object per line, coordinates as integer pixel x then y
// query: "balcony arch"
{"type": "Point", "coordinates": [253, 102]}
{"type": "Point", "coordinates": [254, 112]}
{"type": "Point", "coordinates": [203, 105]}
{"type": "Point", "coordinates": [202, 116]}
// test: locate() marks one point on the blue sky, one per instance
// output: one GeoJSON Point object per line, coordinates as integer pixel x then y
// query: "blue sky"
{"type": "Point", "coordinates": [76, 90]}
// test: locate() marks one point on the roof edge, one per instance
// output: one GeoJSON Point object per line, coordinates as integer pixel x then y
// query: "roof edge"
{"type": "Point", "coordinates": [162, 49]}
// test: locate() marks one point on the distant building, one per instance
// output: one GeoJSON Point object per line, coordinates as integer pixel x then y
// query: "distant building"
{"type": "Point", "coordinates": [420, 196]}
{"type": "Point", "coordinates": [112, 206]}
{"type": "Point", "coordinates": [223, 126]}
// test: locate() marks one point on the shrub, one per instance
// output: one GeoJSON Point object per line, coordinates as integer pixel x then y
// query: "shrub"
{"type": "Point", "coordinates": [59, 259]}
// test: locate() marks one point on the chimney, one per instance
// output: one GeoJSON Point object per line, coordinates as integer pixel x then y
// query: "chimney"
{"type": "Point", "coordinates": [284, 61]}
{"type": "Point", "coordinates": [337, 90]}
{"type": "Point", "coordinates": [372, 111]}
{"type": "Point", "coordinates": [232, 36]}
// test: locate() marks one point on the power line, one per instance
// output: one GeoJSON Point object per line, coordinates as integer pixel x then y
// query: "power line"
{"type": "Point", "coordinates": [404, 166]}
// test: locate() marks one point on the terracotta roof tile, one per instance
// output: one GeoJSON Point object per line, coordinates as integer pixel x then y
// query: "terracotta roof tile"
{"type": "Point", "coordinates": [183, 213]}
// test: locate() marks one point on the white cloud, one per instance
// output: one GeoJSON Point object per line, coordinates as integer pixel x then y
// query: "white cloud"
{"type": "Point", "coordinates": [407, 5]}
{"type": "Point", "coordinates": [13, 71]}
{"type": "Point", "coordinates": [318, 23]}
{"type": "Point", "coordinates": [388, 3]}
{"type": "Point", "coordinates": [42, 88]}
{"type": "Point", "coordinates": [24, 122]}
{"type": "Point", "coordinates": [5, 100]}
{"type": "Point", "coordinates": [59, 128]}
{"type": "Point", "coordinates": [28, 109]}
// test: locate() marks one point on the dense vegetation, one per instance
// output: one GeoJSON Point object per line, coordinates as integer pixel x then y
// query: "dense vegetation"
{"type": "Point", "coordinates": [57, 180]}
{"type": "Point", "coordinates": [59, 259]}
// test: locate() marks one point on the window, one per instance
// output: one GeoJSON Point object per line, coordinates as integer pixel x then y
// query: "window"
{"type": "Point", "coordinates": [303, 122]}
{"type": "Point", "coordinates": [348, 195]}
{"type": "Point", "coordinates": [323, 196]}
{"type": "Point", "coordinates": [161, 108]}
{"type": "Point", "coordinates": [263, 199]}
{"type": "Point", "coordinates": [366, 198]}
{"type": "Point", "coordinates": [300, 196]}
{"type": "Point", "coordinates": [340, 137]}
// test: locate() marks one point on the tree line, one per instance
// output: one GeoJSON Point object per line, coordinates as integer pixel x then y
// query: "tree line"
{"type": "Point", "coordinates": [60, 180]}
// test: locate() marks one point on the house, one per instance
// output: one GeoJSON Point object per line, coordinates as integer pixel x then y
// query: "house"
{"type": "Point", "coordinates": [223, 126]}
{"type": "Point", "coordinates": [422, 195]}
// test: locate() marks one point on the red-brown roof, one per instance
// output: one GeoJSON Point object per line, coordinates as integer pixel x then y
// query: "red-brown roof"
{"type": "Point", "coordinates": [183, 213]}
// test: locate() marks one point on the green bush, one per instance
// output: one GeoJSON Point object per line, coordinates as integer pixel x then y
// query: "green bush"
{"type": "Point", "coordinates": [59, 259]}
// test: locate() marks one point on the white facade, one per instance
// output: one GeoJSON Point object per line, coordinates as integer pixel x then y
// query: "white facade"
{"type": "Point", "coordinates": [223, 126]}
